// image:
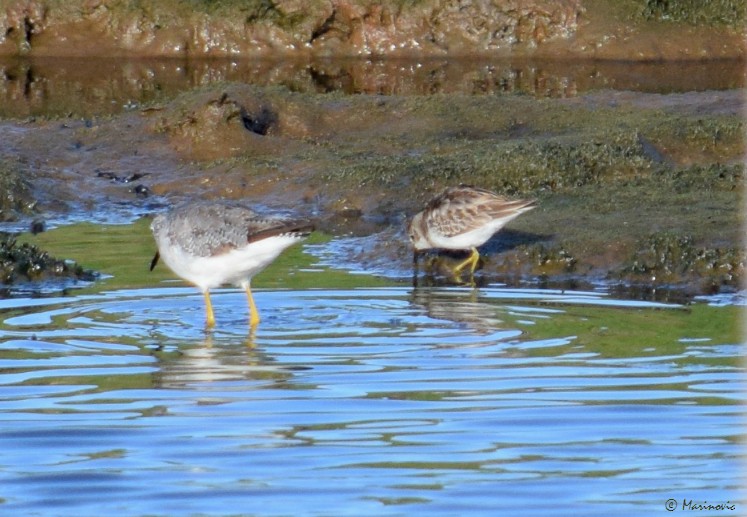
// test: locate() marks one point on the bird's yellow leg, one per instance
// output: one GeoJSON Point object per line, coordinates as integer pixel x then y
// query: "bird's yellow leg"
{"type": "Point", "coordinates": [210, 321]}
{"type": "Point", "coordinates": [472, 261]}
{"type": "Point", "coordinates": [253, 313]}
{"type": "Point", "coordinates": [475, 260]}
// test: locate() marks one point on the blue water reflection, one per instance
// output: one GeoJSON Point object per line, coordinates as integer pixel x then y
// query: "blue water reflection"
{"type": "Point", "coordinates": [357, 402]}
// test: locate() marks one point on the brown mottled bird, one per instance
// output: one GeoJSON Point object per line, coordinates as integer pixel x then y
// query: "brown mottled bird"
{"type": "Point", "coordinates": [211, 244]}
{"type": "Point", "coordinates": [463, 218]}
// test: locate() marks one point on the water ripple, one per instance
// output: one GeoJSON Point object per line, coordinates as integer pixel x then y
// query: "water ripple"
{"type": "Point", "coordinates": [367, 402]}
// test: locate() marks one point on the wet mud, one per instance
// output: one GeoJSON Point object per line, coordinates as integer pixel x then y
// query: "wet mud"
{"type": "Point", "coordinates": [637, 189]}
{"type": "Point", "coordinates": [610, 29]}
{"type": "Point", "coordinates": [16, 198]}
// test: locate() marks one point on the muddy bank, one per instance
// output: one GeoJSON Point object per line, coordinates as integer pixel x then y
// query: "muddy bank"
{"type": "Point", "coordinates": [609, 29]}
{"type": "Point", "coordinates": [634, 188]}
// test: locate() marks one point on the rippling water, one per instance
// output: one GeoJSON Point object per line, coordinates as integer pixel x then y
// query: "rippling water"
{"type": "Point", "coordinates": [362, 402]}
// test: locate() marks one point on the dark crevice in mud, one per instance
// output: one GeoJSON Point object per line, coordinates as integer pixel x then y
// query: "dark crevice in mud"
{"type": "Point", "coordinates": [324, 28]}
{"type": "Point", "coordinates": [28, 31]}
{"type": "Point", "coordinates": [260, 123]}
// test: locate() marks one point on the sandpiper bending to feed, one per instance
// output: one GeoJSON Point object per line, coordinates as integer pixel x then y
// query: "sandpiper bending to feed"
{"type": "Point", "coordinates": [211, 244]}
{"type": "Point", "coordinates": [462, 218]}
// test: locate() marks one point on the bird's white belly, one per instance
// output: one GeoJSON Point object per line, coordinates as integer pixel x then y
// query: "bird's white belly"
{"type": "Point", "coordinates": [233, 267]}
{"type": "Point", "coordinates": [467, 240]}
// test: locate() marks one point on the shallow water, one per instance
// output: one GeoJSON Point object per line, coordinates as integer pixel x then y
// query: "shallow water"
{"type": "Point", "coordinates": [85, 87]}
{"type": "Point", "coordinates": [389, 401]}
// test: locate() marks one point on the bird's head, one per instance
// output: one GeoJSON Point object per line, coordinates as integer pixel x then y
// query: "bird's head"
{"type": "Point", "coordinates": [415, 232]}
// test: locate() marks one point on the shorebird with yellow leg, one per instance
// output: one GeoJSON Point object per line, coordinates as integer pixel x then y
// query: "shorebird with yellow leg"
{"type": "Point", "coordinates": [462, 218]}
{"type": "Point", "coordinates": [210, 244]}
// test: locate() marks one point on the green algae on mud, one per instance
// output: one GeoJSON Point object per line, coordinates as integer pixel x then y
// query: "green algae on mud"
{"type": "Point", "coordinates": [641, 332]}
{"type": "Point", "coordinates": [606, 179]}
{"type": "Point", "coordinates": [695, 12]}
{"type": "Point", "coordinates": [667, 257]}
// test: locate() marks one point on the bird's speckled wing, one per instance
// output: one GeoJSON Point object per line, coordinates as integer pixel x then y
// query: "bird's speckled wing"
{"type": "Point", "coordinates": [462, 209]}
{"type": "Point", "coordinates": [208, 229]}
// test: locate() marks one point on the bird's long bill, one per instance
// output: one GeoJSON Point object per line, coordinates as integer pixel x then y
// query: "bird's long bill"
{"type": "Point", "coordinates": [415, 272]}
{"type": "Point", "coordinates": [155, 260]}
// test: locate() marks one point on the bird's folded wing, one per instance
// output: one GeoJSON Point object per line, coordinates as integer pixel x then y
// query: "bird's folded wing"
{"type": "Point", "coordinates": [457, 216]}
{"type": "Point", "coordinates": [266, 228]}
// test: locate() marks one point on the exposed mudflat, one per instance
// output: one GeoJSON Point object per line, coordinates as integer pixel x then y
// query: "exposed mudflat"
{"type": "Point", "coordinates": [637, 188]}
